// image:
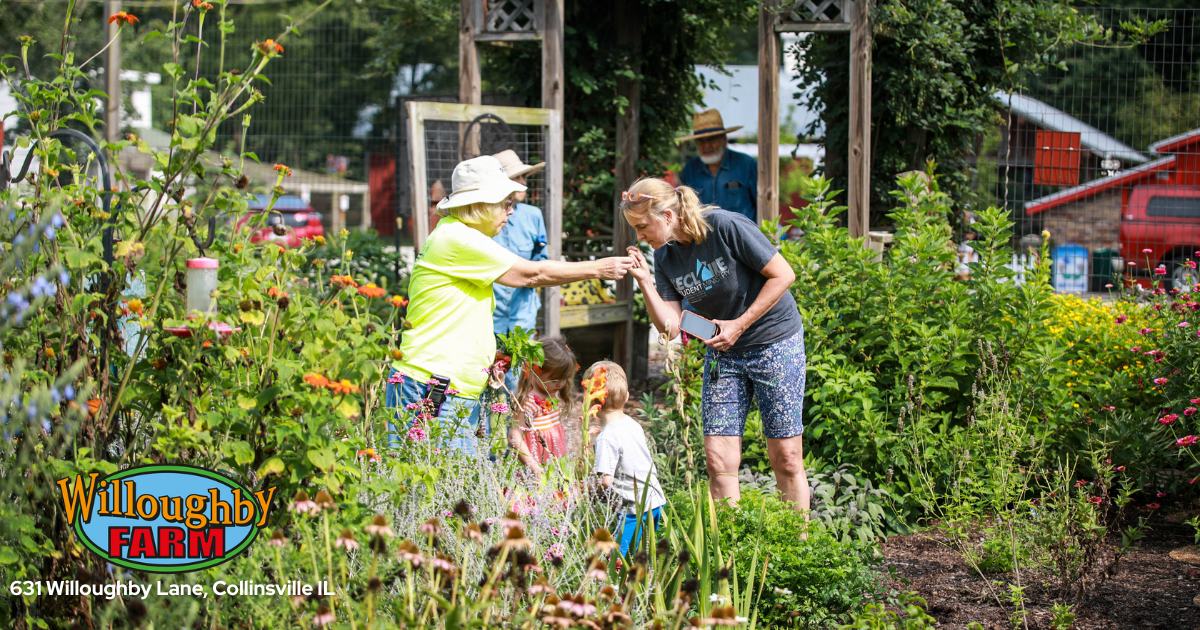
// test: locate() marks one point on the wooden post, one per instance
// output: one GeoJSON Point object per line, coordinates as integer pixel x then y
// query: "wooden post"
{"type": "Point", "coordinates": [552, 55]}
{"type": "Point", "coordinates": [554, 208]}
{"type": "Point", "coordinates": [112, 74]}
{"type": "Point", "coordinates": [859, 166]}
{"type": "Point", "coordinates": [417, 177]}
{"type": "Point", "coordinates": [768, 111]}
{"type": "Point", "coordinates": [628, 17]}
{"type": "Point", "coordinates": [470, 80]}
{"type": "Point", "coordinates": [553, 98]}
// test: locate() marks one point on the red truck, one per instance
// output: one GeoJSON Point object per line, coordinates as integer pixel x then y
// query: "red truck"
{"type": "Point", "coordinates": [1164, 219]}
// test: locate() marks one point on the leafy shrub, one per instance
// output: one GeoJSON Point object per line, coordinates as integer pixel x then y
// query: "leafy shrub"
{"type": "Point", "coordinates": [822, 578]}
{"type": "Point", "coordinates": [876, 617]}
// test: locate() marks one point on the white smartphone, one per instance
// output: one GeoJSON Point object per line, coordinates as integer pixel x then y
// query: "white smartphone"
{"type": "Point", "coordinates": [697, 326]}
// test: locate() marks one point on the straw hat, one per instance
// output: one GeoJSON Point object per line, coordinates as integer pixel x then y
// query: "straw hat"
{"type": "Point", "coordinates": [514, 167]}
{"type": "Point", "coordinates": [707, 124]}
{"type": "Point", "coordinates": [479, 180]}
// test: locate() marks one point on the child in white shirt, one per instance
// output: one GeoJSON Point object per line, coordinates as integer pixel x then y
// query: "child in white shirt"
{"type": "Point", "coordinates": [623, 458]}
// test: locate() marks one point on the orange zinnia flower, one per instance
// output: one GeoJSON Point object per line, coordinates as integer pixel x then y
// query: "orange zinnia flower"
{"type": "Point", "coordinates": [276, 292]}
{"type": "Point", "coordinates": [268, 47]}
{"type": "Point", "coordinates": [316, 380]}
{"type": "Point", "coordinates": [122, 17]}
{"type": "Point", "coordinates": [397, 301]}
{"type": "Point", "coordinates": [372, 291]}
{"type": "Point", "coordinates": [282, 168]}
{"type": "Point", "coordinates": [343, 387]}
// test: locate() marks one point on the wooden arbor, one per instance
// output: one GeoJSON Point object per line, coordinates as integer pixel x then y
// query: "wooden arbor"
{"type": "Point", "coordinates": [816, 16]}
{"type": "Point", "coordinates": [483, 21]}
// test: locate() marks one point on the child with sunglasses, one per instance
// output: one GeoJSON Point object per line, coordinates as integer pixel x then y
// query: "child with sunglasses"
{"type": "Point", "coordinates": [545, 394]}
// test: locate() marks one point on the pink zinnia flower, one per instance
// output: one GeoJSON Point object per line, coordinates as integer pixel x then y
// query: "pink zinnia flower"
{"type": "Point", "coordinates": [324, 616]}
{"type": "Point", "coordinates": [1161, 494]}
{"type": "Point", "coordinates": [1162, 380]}
{"type": "Point", "coordinates": [1189, 411]}
{"type": "Point", "coordinates": [1145, 331]}
{"type": "Point", "coordinates": [1096, 500]}
{"type": "Point", "coordinates": [1153, 506]}
{"type": "Point", "coordinates": [1135, 349]}
{"type": "Point", "coordinates": [1121, 318]}
{"type": "Point", "coordinates": [396, 377]}
{"type": "Point", "coordinates": [1147, 251]}
{"type": "Point", "coordinates": [1183, 324]}
{"type": "Point", "coordinates": [500, 408]}
{"type": "Point", "coordinates": [412, 406]}
{"type": "Point", "coordinates": [1186, 441]}
{"type": "Point", "coordinates": [1160, 271]}
{"type": "Point", "coordinates": [417, 434]}
{"type": "Point", "coordinates": [1168, 419]}
{"type": "Point", "coordinates": [450, 391]}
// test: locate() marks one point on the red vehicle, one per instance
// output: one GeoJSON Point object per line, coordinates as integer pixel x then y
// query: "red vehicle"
{"type": "Point", "coordinates": [298, 220]}
{"type": "Point", "coordinates": [1166, 220]}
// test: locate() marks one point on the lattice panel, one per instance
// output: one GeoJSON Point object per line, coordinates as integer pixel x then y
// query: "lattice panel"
{"type": "Point", "coordinates": [511, 16]}
{"type": "Point", "coordinates": [808, 11]}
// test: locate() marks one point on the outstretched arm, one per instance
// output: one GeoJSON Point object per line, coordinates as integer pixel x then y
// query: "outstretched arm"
{"type": "Point", "coordinates": [549, 273]}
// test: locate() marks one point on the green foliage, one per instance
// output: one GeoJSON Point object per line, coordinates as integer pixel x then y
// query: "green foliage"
{"type": "Point", "coordinates": [912, 616]}
{"type": "Point", "coordinates": [882, 335]}
{"type": "Point", "coordinates": [822, 578]}
{"type": "Point", "coordinates": [674, 36]}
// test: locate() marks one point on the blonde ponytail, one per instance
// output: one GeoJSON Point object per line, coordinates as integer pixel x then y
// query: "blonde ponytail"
{"type": "Point", "coordinates": [652, 196]}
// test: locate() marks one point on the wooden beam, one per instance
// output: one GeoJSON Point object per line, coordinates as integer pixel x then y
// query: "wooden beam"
{"type": "Point", "coordinates": [551, 17]}
{"type": "Point", "coordinates": [552, 55]}
{"type": "Point", "coordinates": [812, 27]}
{"type": "Point", "coordinates": [554, 210]}
{"type": "Point", "coordinates": [768, 111]}
{"type": "Point", "coordinates": [112, 74]}
{"type": "Point", "coordinates": [628, 17]}
{"type": "Point", "coordinates": [470, 79]}
{"type": "Point", "coordinates": [859, 158]}
{"type": "Point", "coordinates": [420, 183]}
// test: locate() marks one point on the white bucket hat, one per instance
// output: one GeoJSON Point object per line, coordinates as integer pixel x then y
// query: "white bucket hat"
{"type": "Point", "coordinates": [479, 180]}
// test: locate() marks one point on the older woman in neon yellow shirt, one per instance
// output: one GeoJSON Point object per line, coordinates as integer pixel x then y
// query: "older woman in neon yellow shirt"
{"type": "Point", "coordinates": [451, 301]}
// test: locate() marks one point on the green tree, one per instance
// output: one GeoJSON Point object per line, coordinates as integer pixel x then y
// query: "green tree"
{"type": "Point", "coordinates": [675, 36]}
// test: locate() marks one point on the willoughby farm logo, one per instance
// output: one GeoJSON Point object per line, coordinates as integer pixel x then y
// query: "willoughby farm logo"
{"type": "Point", "coordinates": [164, 518]}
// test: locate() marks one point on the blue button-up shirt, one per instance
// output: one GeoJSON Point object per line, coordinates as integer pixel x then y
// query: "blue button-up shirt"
{"type": "Point", "coordinates": [734, 188]}
{"type": "Point", "coordinates": [525, 236]}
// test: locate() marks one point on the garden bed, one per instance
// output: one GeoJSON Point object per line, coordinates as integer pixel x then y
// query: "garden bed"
{"type": "Point", "coordinates": [1151, 590]}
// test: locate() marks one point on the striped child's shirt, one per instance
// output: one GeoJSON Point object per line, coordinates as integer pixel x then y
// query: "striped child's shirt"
{"type": "Point", "coordinates": [541, 416]}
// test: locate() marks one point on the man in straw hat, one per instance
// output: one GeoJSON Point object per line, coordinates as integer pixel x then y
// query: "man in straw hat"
{"type": "Point", "coordinates": [720, 177]}
{"type": "Point", "coordinates": [525, 236]}
{"type": "Point", "coordinates": [448, 345]}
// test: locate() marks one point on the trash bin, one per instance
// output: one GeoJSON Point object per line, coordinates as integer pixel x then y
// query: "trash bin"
{"type": "Point", "coordinates": [1107, 268]}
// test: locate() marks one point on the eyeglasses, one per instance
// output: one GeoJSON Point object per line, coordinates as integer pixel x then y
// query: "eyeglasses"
{"type": "Point", "coordinates": [628, 196]}
{"type": "Point", "coordinates": [508, 203]}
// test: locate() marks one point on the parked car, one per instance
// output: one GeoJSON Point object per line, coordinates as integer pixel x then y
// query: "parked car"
{"type": "Point", "coordinates": [295, 215]}
{"type": "Point", "coordinates": [1166, 220]}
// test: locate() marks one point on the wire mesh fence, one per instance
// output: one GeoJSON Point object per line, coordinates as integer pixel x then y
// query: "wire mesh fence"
{"type": "Point", "coordinates": [1104, 154]}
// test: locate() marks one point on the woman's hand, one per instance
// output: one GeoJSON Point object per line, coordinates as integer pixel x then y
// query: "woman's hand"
{"type": "Point", "coordinates": [614, 268]}
{"type": "Point", "coordinates": [640, 269]}
{"type": "Point", "coordinates": [730, 332]}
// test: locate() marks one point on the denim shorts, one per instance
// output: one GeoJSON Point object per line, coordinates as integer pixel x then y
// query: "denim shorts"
{"type": "Point", "coordinates": [458, 433]}
{"type": "Point", "coordinates": [772, 374]}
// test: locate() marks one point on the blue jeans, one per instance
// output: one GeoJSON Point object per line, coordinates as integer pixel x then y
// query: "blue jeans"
{"type": "Point", "coordinates": [458, 432]}
{"type": "Point", "coordinates": [627, 524]}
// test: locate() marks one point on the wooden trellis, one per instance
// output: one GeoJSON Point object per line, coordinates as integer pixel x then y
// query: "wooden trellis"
{"type": "Point", "coordinates": [816, 16]}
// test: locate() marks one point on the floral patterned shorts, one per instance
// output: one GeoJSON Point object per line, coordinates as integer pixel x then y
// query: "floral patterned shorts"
{"type": "Point", "coordinates": [774, 375]}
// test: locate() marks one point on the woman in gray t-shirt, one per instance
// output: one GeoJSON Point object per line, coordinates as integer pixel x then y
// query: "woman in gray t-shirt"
{"type": "Point", "coordinates": [730, 273]}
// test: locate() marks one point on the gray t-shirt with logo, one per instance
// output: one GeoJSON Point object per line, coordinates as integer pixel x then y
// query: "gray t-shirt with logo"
{"type": "Point", "coordinates": [722, 276]}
